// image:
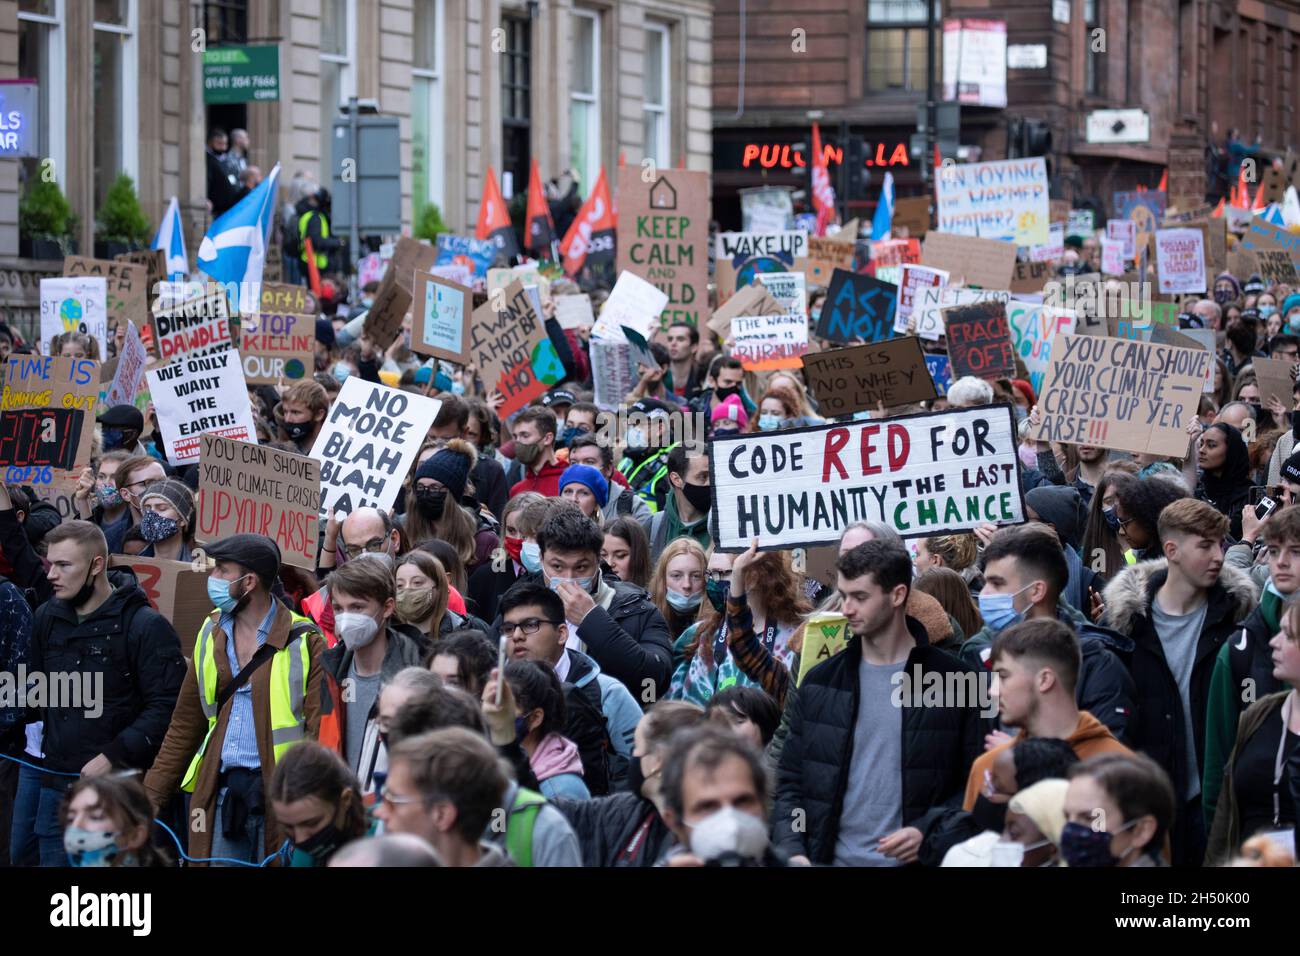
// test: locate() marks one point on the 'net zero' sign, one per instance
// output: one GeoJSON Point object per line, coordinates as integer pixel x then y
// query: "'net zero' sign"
{"type": "Point", "coordinates": [237, 74]}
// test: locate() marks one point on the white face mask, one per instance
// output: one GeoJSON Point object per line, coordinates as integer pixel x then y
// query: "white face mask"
{"type": "Point", "coordinates": [355, 630]}
{"type": "Point", "coordinates": [729, 832]}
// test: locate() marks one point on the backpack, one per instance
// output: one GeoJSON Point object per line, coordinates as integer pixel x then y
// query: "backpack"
{"type": "Point", "coordinates": [584, 724]}
{"type": "Point", "coordinates": [520, 823]}
{"type": "Point", "coordinates": [623, 504]}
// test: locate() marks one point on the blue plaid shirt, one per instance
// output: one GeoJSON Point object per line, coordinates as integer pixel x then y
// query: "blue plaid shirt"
{"type": "Point", "coordinates": [239, 749]}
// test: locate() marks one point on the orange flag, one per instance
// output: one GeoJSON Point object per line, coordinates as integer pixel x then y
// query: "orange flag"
{"type": "Point", "coordinates": [539, 230]}
{"type": "Point", "coordinates": [591, 237]}
{"type": "Point", "coordinates": [494, 220]}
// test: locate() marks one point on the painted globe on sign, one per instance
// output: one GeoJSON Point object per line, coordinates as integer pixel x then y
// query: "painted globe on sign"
{"type": "Point", "coordinates": [294, 369]}
{"type": "Point", "coordinates": [70, 314]}
{"type": "Point", "coordinates": [762, 264]}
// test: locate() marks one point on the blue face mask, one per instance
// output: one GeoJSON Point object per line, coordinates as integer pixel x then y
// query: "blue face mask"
{"type": "Point", "coordinates": [1082, 846]}
{"type": "Point", "coordinates": [1112, 519]}
{"type": "Point", "coordinates": [584, 583]}
{"type": "Point", "coordinates": [1267, 310]}
{"type": "Point", "coordinates": [684, 602]}
{"type": "Point", "coordinates": [530, 556]}
{"type": "Point", "coordinates": [220, 596]}
{"type": "Point", "coordinates": [998, 610]}
{"type": "Point", "coordinates": [89, 847]}
{"type": "Point", "coordinates": [341, 372]}
{"type": "Point", "coordinates": [112, 438]}
{"type": "Point", "coordinates": [457, 388]}
{"type": "Point", "coordinates": [769, 423]}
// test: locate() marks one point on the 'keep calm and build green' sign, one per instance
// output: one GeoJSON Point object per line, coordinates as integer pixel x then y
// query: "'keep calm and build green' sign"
{"type": "Point", "coordinates": [237, 74]}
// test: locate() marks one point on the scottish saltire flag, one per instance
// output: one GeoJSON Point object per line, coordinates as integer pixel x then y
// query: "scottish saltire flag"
{"type": "Point", "coordinates": [884, 219]}
{"type": "Point", "coordinates": [1273, 214]}
{"type": "Point", "coordinates": [234, 249]}
{"type": "Point", "coordinates": [171, 240]}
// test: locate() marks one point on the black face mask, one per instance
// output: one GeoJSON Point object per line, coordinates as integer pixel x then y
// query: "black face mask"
{"type": "Point", "coordinates": [87, 589]}
{"type": "Point", "coordinates": [989, 815]}
{"type": "Point", "coordinates": [430, 502]}
{"type": "Point", "coordinates": [321, 845]}
{"type": "Point", "coordinates": [1295, 426]}
{"type": "Point", "coordinates": [297, 430]}
{"type": "Point", "coordinates": [724, 393]}
{"type": "Point", "coordinates": [700, 496]}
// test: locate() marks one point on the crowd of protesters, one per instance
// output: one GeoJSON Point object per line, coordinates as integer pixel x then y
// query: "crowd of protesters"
{"type": "Point", "coordinates": [539, 658]}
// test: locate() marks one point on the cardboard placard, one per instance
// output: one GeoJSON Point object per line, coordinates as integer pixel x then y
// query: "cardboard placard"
{"type": "Point", "coordinates": [574, 311]}
{"type": "Point", "coordinates": [927, 312]}
{"type": "Point", "coordinates": [1242, 264]}
{"type": "Point", "coordinates": [765, 342]}
{"type": "Point", "coordinates": [276, 348]}
{"type": "Point", "coordinates": [1085, 296]}
{"type": "Point", "coordinates": [35, 383]}
{"type": "Point", "coordinates": [858, 307]}
{"type": "Point", "coordinates": [864, 377]}
{"type": "Point", "coordinates": [200, 394]}
{"type": "Point", "coordinates": [441, 312]}
{"type": "Point", "coordinates": [369, 441]}
{"type": "Point", "coordinates": [198, 326]}
{"type": "Point", "coordinates": [1029, 277]}
{"type": "Point", "coordinates": [393, 300]}
{"type": "Point", "coordinates": [1274, 265]}
{"type": "Point", "coordinates": [1112, 393]}
{"type": "Point", "coordinates": [914, 281]}
{"type": "Point", "coordinates": [633, 303]}
{"type": "Point", "coordinates": [979, 340]}
{"type": "Point", "coordinates": [751, 300]}
{"type": "Point", "coordinates": [663, 236]}
{"type": "Point", "coordinates": [922, 474]}
{"type": "Point", "coordinates": [1180, 260]}
{"type": "Point", "coordinates": [126, 285]}
{"type": "Point", "coordinates": [819, 564]}
{"type": "Point", "coordinates": [940, 369]}
{"type": "Point", "coordinates": [742, 255]}
{"type": "Point", "coordinates": [1123, 231]}
{"type": "Point", "coordinates": [511, 350]}
{"type": "Point", "coordinates": [129, 371]}
{"type": "Point", "coordinates": [1054, 247]}
{"type": "Point", "coordinates": [1033, 330]}
{"type": "Point", "coordinates": [790, 289]}
{"type": "Point", "coordinates": [175, 589]}
{"type": "Point", "coordinates": [1112, 257]}
{"type": "Point", "coordinates": [41, 437]}
{"type": "Point", "coordinates": [987, 263]}
{"type": "Point", "coordinates": [155, 268]}
{"type": "Point", "coordinates": [1146, 209]}
{"type": "Point", "coordinates": [913, 214]}
{"type": "Point", "coordinates": [250, 489]}
{"type": "Point", "coordinates": [998, 200]}
{"type": "Point", "coordinates": [74, 305]}
{"type": "Point", "coordinates": [894, 252]}
{"type": "Point", "coordinates": [1276, 378]}
{"type": "Point", "coordinates": [286, 299]}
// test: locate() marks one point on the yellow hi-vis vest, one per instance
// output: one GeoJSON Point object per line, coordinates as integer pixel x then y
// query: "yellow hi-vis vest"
{"type": "Point", "coordinates": [322, 260]}
{"type": "Point", "coordinates": [289, 668]}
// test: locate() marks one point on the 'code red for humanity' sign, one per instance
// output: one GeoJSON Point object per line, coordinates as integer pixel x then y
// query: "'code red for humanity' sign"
{"type": "Point", "coordinates": [926, 474]}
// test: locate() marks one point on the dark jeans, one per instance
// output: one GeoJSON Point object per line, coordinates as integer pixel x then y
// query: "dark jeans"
{"type": "Point", "coordinates": [8, 791]}
{"type": "Point", "coordinates": [1189, 838]}
{"type": "Point", "coordinates": [37, 833]}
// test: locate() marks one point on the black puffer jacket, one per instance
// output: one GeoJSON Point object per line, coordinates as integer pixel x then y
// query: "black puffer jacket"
{"type": "Point", "coordinates": [1159, 728]}
{"type": "Point", "coordinates": [939, 745]}
{"type": "Point", "coordinates": [138, 654]}
{"type": "Point", "coordinates": [607, 826]}
{"type": "Point", "coordinates": [630, 641]}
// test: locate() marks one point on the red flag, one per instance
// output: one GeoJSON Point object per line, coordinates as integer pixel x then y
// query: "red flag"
{"type": "Point", "coordinates": [494, 220]}
{"type": "Point", "coordinates": [1164, 182]}
{"type": "Point", "coordinates": [313, 274]}
{"type": "Point", "coordinates": [539, 230]}
{"type": "Point", "coordinates": [1218, 210]}
{"type": "Point", "coordinates": [591, 237]}
{"type": "Point", "coordinates": [823, 197]}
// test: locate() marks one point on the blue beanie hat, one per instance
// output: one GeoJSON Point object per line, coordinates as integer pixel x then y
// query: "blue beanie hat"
{"type": "Point", "coordinates": [451, 466]}
{"type": "Point", "coordinates": [1290, 302]}
{"type": "Point", "coordinates": [586, 475]}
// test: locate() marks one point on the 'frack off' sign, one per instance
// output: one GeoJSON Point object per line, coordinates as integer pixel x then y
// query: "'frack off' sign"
{"type": "Point", "coordinates": [368, 444]}
{"type": "Point", "coordinates": [934, 473]}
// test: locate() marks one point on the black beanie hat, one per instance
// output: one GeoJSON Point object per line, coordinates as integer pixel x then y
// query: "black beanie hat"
{"type": "Point", "coordinates": [450, 465]}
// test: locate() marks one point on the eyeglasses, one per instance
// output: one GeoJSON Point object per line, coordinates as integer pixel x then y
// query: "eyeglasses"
{"type": "Point", "coordinates": [394, 800]}
{"type": "Point", "coordinates": [529, 626]}
{"type": "Point", "coordinates": [1124, 521]}
{"type": "Point", "coordinates": [373, 545]}
{"type": "Point", "coordinates": [717, 577]}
